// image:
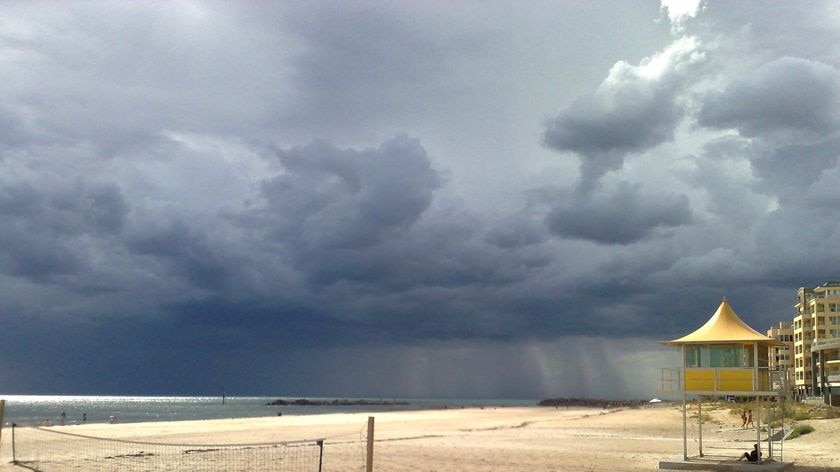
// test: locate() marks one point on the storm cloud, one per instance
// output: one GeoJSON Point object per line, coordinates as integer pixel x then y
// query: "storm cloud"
{"type": "Point", "coordinates": [411, 199]}
{"type": "Point", "coordinates": [623, 217]}
{"type": "Point", "coordinates": [635, 108]}
{"type": "Point", "coordinates": [785, 94]}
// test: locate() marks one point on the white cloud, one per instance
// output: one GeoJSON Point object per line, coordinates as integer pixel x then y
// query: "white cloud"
{"type": "Point", "coordinates": [680, 11]}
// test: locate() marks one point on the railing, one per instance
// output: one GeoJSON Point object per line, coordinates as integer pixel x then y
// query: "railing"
{"type": "Point", "coordinates": [823, 344]}
{"type": "Point", "coordinates": [670, 380]}
{"type": "Point", "coordinates": [721, 379]}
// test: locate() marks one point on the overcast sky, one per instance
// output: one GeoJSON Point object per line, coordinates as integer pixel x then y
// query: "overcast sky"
{"type": "Point", "coordinates": [471, 199]}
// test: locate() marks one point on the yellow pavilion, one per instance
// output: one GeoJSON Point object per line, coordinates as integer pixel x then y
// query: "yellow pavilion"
{"type": "Point", "coordinates": [725, 358]}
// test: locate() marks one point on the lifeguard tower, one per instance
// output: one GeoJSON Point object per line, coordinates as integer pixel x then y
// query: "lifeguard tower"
{"type": "Point", "coordinates": [723, 358]}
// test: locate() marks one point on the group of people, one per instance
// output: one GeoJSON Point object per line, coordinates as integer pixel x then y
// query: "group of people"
{"type": "Point", "coordinates": [747, 419]}
{"type": "Point", "coordinates": [62, 419]}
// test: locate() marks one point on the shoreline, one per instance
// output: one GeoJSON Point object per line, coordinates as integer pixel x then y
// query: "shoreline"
{"type": "Point", "coordinates": [37, 410]}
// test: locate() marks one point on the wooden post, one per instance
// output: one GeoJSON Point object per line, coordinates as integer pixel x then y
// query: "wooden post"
{"type": "Point", "coordinates": [369, 464]}
{"type": "Point", "coordinates": [2, 412]}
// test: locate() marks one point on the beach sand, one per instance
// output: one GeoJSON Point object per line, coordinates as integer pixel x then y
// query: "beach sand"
{"type": "Point", "coordinates": [488, 439]}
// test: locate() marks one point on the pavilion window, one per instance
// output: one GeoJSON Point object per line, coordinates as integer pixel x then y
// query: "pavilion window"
{"type": "Point", "coordinates": [730, 356]}
{"type": "Point", "coordinates": [692, 356]}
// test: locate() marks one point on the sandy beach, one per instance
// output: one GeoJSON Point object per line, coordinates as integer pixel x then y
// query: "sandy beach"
{"type": "Point", "coordinates": [476, 439]}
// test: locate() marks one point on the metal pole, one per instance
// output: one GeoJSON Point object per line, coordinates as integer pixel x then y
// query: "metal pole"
{"type": "Point", "coordinates": [321, 456]}
{"type": "Point", "coordinates": [782, 442]}
{"type": "Point", "coordinates": [685, 432]}
{"type": "Point", "coordinates": [758, 430]}
{"type": "Point", "coordinates": [770, 432]}
{"type": "Point", "coordinates": [369, 465]}
{"type": "Point", "coordinates": [700, 423]}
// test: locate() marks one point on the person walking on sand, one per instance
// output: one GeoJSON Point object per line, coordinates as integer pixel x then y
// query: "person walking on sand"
{"type": "Point", "coordinates": [743, 419]}
{"type": "Point", "coordinates": [750, 419]}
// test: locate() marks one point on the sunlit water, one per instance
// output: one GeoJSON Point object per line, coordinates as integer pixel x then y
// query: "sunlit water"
{"type": "Point", "coordinates": [39, 409]}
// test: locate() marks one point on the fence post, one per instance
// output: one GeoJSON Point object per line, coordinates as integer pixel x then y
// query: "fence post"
{"type": "Point", "coordinates": [320, 443]}
{"type": "Point", "coordinates": [14, 457]}
{"type": "Point", "coordinates": [369, 464]}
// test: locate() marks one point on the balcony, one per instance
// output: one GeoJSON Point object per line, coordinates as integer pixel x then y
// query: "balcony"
{"type": "Point", "coordinates": [823, 344]}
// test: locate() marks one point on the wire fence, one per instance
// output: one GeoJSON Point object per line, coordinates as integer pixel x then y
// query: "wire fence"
{"type": "Point", "coordinates": [49, 450]}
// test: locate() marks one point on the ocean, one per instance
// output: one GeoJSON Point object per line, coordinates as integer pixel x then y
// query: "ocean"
{"type": "Point", "coordinates": [39, 409]}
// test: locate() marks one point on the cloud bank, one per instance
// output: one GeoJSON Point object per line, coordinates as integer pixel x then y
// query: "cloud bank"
{"type": "Point", "coordinates": [316, 198]}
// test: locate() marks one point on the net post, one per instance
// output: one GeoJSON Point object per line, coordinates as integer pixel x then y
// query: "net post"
{"type": "Point", "coordinates": [369, 462]}
{"type": "Point", "coordinates": [320, 443]}
{"type": "Point", "coordinates": [14, 457]}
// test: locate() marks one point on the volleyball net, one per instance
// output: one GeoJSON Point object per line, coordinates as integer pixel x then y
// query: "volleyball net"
{"type": "Point", "coordinates": [49, 450]}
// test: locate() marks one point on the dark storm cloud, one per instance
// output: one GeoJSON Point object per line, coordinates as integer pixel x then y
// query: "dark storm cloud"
{"type": "Point", "coordinates": [789, 171]}
{"type": "Point", "coordinates": [345, 198]}
{"type": "Point", "coordinates": [370, 62]}
{"type": "Point", "coordinates": [516, 232]}
{"type": "Point", "coordinates": [624, 216]}
{"type": "Point", "coordinates": [788, 109]}
{"type": "Point", "coordinates": [165, 224]}
{"type": "Point", "coordinates": [635, 108]}
{"type": "Point", "coordinates": [602, 133]}
{"type": "Point", "coordinates": [188, 253]}
{"type": "Point", "coordinates": [787, 94]}
{"type": "Point", "coordinates": [44, 231]}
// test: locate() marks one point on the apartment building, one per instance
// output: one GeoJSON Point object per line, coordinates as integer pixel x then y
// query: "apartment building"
{"type": "Point", "coordinates": [802, 337]}
{"type": "Point", "coordinates": [781, 357]}
{"type": "Point", "coordinates": [816, 342]}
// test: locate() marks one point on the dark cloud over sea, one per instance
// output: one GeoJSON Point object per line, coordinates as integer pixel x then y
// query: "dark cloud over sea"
{"type": "Point", "coordinates": [416, 199]}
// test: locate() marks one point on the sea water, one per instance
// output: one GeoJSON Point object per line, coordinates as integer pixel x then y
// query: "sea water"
{"type": "Point", "coordinates": [41, 409]}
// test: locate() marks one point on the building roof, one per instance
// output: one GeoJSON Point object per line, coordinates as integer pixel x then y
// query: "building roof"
{"type": "Point", "coordinates": [724, 326]}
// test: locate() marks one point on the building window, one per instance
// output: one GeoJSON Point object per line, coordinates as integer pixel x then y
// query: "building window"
{"type": "Point", "coordinates": [729, 356]}
{"type": "Point", "coordinates": [692, 356]}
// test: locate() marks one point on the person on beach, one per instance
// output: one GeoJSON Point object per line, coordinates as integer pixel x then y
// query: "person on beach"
{"type": "Point", "coordinates": [84, 418]}
{"type": "Point", "coordinates": [753, 455]}
{"type": "Point", "coordinates": [750, 419]}
{"type": "Point", "coordinates": [743, 419]}
{"type": "Point", "coordinates": [63, 417]}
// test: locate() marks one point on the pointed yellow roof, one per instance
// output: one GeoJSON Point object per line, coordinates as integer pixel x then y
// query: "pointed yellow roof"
{"type": "Point", "coordinates": [723, 326]}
